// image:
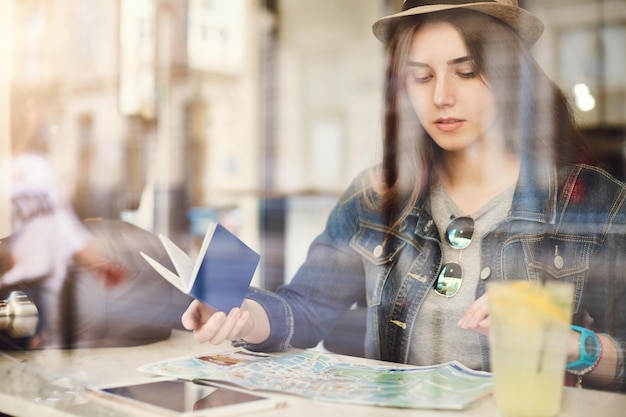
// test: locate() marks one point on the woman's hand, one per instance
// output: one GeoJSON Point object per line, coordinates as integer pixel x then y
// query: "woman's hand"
{"type": "Point", "coordinates": [476, 318]}
{"type": "Point", "coordinates": [210, 325]}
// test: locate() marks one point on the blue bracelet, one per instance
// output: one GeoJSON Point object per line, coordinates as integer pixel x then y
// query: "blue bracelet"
{"type": "Point", "coordinates": [590, 350]}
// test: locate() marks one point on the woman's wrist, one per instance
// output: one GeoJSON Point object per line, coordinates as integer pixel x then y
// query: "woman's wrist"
{"type": "Point", "coordinates": [259, 322]}
{"type": "Point", "coordinates": [573, 346]}
{"type": "Point", "coordinates": [590, 351]}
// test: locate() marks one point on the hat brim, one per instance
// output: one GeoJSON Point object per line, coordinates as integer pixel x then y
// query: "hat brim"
{"type": "Point", "coordinates": [527, 25]}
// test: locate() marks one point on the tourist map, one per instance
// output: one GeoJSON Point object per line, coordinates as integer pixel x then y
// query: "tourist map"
{"type": "Point", "coordinates": [321, 376]}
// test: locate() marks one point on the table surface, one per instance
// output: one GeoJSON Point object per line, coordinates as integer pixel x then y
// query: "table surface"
{"type": "Point", "coordinates": [53, 382]}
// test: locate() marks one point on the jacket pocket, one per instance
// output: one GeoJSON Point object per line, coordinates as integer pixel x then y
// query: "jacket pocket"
{"type": "Point", "coordinates": [379, 251]}
{"type": "Point", "coordinates": [562, 258]}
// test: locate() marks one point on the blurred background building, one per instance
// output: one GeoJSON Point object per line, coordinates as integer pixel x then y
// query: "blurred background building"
{"type": "Point", "coordinates": [167, 113]}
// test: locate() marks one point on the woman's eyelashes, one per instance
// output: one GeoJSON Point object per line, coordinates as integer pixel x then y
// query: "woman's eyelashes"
{"type": "Point", "coordinates": [419, 79]}
{"type": "Point", "coordinates": [422, 78]}
{"type": "Point", "coordinates": [466, 74]}
{"type": "Point", "coordinates": [419, 71]}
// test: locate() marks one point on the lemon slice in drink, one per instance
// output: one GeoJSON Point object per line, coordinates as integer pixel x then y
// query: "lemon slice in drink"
{"type": "Point", "coordinates": [534, 296]}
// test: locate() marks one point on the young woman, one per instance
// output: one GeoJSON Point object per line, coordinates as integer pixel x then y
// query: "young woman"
{"type": "Point", "coordinates": [479, 182]}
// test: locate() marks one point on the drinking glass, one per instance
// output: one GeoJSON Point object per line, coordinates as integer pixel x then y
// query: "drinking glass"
{"type": "Point", "coordinates": [528, 333]}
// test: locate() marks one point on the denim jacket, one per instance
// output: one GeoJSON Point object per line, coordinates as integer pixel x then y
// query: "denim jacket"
{"type": "Point", "coordinates": [573, 212]}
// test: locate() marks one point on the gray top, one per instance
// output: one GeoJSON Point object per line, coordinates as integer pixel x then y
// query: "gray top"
{"type": "Point", "coordinates": [436, 337]}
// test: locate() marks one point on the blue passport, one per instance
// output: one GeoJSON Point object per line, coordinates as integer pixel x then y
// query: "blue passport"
{"type": "Point", "coordinates": [220, 276]}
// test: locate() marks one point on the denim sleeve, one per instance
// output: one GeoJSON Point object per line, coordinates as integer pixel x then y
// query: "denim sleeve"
{"type": "Point", "coordinates": [613, 322]}
{"type": "Point", "coordinates": [281, 319]}
{"type": "Point", "coordinates": [329, 282]}
{"type": "Point", "coordinates": [605, 295]}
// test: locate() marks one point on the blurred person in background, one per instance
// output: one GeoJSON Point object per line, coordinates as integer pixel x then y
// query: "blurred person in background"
{"type": "Point", "coordinates": [46, 236]}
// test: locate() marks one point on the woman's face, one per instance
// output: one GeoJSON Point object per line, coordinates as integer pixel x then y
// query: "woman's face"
{"type": "Point", "coordinates": [454, 105]}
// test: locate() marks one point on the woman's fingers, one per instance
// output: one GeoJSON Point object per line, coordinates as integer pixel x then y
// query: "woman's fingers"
{"type": "Point", "coordinates": [241, 327]}
{"type": "Point", "coordinates": [223, 326]}
{"type": "Point", "coordinates": [196, 315]}
{"type": "Point", "coordinates": [476, 317]}
{"type": "Point", "coordinates": [210, 325]}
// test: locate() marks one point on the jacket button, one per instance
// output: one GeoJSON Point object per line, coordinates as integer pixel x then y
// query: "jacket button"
{"type": "Point", "coordinates": [484, 274]}
{"type": "Point", "coordinates": [378, 250]}
{"type": "Point", "coordinates": [558, 261]}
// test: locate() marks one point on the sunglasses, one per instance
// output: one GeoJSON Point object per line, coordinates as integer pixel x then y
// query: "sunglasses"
{"type": "Point", "coordinates": [458, 235]}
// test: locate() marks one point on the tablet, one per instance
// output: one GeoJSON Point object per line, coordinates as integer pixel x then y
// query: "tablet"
{"type": "Point", "coordinates": [174, 397]}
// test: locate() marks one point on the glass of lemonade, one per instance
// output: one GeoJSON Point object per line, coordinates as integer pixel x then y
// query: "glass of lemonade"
{"type": "Point", "coordinates": [528, 333]}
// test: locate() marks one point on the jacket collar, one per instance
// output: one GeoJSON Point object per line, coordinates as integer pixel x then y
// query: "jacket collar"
{"type": "Point", "coordinates": [535, 197]}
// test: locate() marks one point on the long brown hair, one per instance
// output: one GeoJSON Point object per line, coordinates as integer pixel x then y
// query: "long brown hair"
{"type": "Point", "coordinates": [536, 116]}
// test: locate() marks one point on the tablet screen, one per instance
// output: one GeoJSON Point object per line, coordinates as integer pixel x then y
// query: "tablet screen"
{"type": "Point", "coordinates": [184, 397]}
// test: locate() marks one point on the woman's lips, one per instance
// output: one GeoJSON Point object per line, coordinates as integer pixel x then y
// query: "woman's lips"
{"type": "Point", "coordinates": [448, 125]}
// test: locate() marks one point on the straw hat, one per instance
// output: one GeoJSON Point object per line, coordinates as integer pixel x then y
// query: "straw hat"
{"type": "Point", "coordinates": [527, 25]}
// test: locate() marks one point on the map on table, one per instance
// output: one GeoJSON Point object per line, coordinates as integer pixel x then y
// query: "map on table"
{"type": "Point", "coordinates": [321, 376]}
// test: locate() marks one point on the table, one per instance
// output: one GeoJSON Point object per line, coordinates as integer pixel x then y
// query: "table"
{"type": "Point", "coordinates": [52, 383]}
